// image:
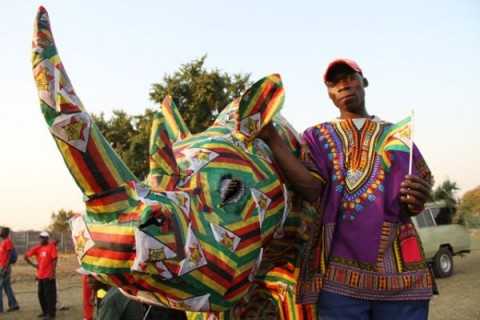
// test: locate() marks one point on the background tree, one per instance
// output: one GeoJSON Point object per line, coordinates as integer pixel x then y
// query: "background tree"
{"type": "Point", "coordinates": [199, 94]}
{"type": "Point", "coordinates": [59, 221]}
{"type": "Point", "coordinates": [446, 193]}
{"type": "Point", "coordinates": [469, 208]}
{"type": "Point", "coordinates": [129, 137]}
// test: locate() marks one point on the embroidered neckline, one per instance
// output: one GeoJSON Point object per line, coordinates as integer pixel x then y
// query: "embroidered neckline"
{"type": "Point", "coordinates": [373, 118]}
{"type": "Point", "coordinates": [357, 171]}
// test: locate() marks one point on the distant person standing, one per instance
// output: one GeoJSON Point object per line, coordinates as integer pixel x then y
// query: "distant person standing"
{"type": "Point", "coordinates": [45, 255]}
{"type": "Point", "coordinates": [6, 260]}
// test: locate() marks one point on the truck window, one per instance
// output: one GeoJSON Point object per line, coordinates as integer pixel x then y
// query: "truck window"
{"type": "Point", "coordinates": [425, 219]}
{"type": "Point", "coordinates": [421, 219]}
{"type": "Point", "coordinates": [435, 212]}
{"type": "Point", "coordinates": [429, 221]}
{"type": "Point", "coordinates": [444, 215]}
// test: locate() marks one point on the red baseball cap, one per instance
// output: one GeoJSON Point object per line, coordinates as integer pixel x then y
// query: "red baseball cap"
{"type": "Point", "coordinates": [350, 63]}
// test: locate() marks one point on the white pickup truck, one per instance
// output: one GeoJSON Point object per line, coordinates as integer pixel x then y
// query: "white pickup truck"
{"type": "Point", "coordinates": [441, 242]}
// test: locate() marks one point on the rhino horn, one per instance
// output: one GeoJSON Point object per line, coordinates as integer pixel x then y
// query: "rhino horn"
{"type": "Point", "coordinates": [94, 165]}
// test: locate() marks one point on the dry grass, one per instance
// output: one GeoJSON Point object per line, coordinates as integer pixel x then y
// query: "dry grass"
{"type": "Point", "coordinates": [460, 294]}
{"type": "Point", "coordinates": [69, 290]}
{"type": "Point", "coordinates": [458, 299]}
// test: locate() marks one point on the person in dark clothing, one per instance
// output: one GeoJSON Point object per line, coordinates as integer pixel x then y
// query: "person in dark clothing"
{"type": "Point", "coordinates": [159, 313]}
{"type": "Point", "coordinates": [116, 306]}
{"type": "Point", "coordinates": [45, 254]}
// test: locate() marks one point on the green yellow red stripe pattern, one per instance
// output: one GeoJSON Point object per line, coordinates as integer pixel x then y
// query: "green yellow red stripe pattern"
{"type": "Point", "coordinates": [92, 162]}
{"type": "Point", "coordinates": [164, 171]}
{"type": "Point", "coordinates": [258, 105]}
{"type": "Point", "coordinates": [176, 127]}
{"type": "Point", "coordinates": [202, 232]}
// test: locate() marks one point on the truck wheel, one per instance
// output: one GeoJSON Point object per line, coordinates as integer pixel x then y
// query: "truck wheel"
{"type": "Point", "coordinates": [443, 263]}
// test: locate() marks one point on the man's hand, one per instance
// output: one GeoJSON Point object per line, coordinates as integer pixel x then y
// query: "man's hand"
{"type": "Point", "coordinates": [268, 133]}
{"type": "Point", "coordinates": [414, 192]}
{"type": "Point", "coordinates": [27, 259]}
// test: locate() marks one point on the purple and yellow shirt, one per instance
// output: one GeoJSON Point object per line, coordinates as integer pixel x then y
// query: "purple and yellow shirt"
{"type": "Point", "coordinates": [365, 245]}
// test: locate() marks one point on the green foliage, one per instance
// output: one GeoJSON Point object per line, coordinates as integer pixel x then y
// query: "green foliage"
{"type": "Point", "coordinates": [199, 94]}
{"type": "Point", "coordinates": [59, 223]}
{"type": "Point", "coordinates": [446, 192]}
{"type": "Point", "coordinates": [129, 137]}
{"type": "Point", "coordinates": [469, 208]}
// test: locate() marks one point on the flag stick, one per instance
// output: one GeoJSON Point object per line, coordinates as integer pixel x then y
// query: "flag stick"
{"type": "Point", "coordinates": [146, 313]}
{"type": "Point", "coordinates": [412, 124]}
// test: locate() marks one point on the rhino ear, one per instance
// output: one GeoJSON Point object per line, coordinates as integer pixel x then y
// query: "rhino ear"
{"type": "Point", "coordinates": [258, 105]}
{"type": "Point", "coordinates": [174, 124]}
{"type": "Point", "coordinates": [164, 171]}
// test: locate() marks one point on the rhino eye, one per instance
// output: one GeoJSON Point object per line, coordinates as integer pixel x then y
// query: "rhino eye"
{"type": "Point", "coordinates": [154, 221]}
{"type": "Point", "coordinates": [231, 189]}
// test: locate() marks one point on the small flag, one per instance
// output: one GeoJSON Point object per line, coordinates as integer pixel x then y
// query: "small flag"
{"type": "Point", "coordinates": [397, 137]}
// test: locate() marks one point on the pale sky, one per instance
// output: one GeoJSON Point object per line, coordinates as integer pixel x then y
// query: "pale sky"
{"type": "Point", "coordinates": [416, 55]}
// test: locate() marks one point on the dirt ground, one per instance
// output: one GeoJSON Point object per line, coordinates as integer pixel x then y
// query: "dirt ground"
{"type": "Point", "coordinates": [68, 284]}
{"type": "Point", "coordinates": [459, 297]}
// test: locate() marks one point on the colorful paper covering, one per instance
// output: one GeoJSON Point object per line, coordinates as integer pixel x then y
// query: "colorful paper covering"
{"type": "Point", "coordinates": [197, 236]}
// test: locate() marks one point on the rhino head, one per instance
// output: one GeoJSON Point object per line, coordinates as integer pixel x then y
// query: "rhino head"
{"type": "Point", "coordinates": [192, 235]}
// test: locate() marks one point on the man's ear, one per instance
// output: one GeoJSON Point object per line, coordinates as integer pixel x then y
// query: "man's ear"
{"type": "Point", "coordinates": [365, 82]}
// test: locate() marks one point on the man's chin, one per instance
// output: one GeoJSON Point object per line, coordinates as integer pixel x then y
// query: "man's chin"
{"type": "Point", "coordinates": [353, 107]}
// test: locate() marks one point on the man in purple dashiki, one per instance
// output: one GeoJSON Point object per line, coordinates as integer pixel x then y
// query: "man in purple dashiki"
{"type": "Point", "coordinates": [364, 259]}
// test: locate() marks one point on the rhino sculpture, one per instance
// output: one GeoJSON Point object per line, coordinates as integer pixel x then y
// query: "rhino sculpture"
{"type": "Point", "coordinates": [197, 234]}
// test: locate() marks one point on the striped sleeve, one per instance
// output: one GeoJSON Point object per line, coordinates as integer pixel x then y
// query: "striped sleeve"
{"type": "Point", "coordinates": [420, 167]}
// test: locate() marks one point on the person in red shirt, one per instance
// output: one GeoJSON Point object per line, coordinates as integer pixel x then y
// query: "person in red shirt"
{"type": "Point", "coordinates": [6, 248]}
{"type": "Point", "coordinates": [46, 262]}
